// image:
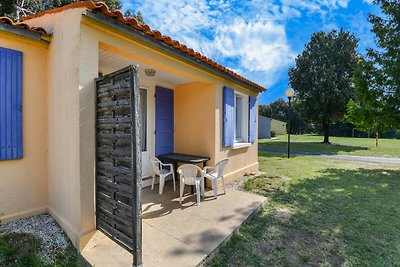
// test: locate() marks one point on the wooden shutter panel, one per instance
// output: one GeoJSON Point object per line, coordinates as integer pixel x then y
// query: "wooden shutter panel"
{"type": "Point", "coordinates": [252, 118]}
{"type": "Point", "coordinates": [228, 117]}
{"type": "Point", "coordinates": [10, 104]}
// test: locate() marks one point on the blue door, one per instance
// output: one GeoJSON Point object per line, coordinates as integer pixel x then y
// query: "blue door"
{"type": "Point", "coordinates": [164, 121]}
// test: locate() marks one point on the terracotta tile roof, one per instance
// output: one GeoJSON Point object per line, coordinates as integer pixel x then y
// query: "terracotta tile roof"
{"type": "Point", "coordinates": [8, 21]}
{"type": "Point", "coordinates": [133, 23]}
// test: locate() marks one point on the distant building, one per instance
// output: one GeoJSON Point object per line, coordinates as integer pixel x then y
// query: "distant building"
{"type": "Point", "coordinates": [264, 127]}
{"type": "Point", "coordinates": [267, 125]}
{"type": "Point", "coordinates": [279, 127]}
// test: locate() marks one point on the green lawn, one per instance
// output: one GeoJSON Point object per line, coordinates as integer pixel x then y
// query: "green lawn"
{"type": "Point", "coordinates": [319, 213]}
{"type": "Point", "coordinates": [22, 249]}
{"type": "Point", "coordinates": [339, 145]}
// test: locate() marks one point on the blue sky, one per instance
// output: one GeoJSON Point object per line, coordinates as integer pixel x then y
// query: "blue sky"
{"type": "Point", "coordinates": [258, 39]}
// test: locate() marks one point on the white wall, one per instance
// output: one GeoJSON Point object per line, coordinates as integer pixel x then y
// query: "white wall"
{"type": "Point", "coordinates": [264, 127]}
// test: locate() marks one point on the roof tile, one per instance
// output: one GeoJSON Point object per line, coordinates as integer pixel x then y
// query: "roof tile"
{"type": "Point", "coordinates": [8, 21]}
{"type": "Point", "coordinates": [101, 7]}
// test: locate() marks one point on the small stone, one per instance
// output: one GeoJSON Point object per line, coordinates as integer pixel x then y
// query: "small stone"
{"type": "Point", "coordinates": [46, 229]}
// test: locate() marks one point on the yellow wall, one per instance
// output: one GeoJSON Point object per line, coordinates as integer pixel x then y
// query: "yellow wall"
{"type": "Point", "coordinates": [241, 160]}
{"type": "Point", "coordinates": [279, 127]}
{"type": "Point", "coordinates": [73, 65]}
{"type": "Point", "coordinates": [88, 71]}
{"type": "Point", "coordinates": [194, 106]}
{"type": "Point", "coordinates": [64, 180]}
{"type": "Point", "coordinates": [23, 182]}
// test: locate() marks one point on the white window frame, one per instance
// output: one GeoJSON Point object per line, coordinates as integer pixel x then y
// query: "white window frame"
{"type": "Point", "coordinates": [243, 139]}
{"type": "Point", "coordinates": [147, 118]}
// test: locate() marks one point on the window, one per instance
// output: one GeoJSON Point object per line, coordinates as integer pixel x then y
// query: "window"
{"type": "Point", "coordinates": [241, 118]}
{"type": "Point", "coordinates": [238, 117]}
{"type": "Point", "coordinates": [143, 108]}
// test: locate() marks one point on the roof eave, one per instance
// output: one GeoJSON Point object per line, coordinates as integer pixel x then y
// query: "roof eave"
{"type": "Point", "coordinates": [110, 22]}
{"type": "Point", "coordinates": [23, 32]}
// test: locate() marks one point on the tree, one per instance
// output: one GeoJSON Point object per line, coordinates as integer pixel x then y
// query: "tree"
{"type": "Point", "coordinates": [15, 9]}
{"type": "Point", "coordinates": [138, 16]}
{"type": "Point", "coordinates": [278, 110]}
{"type": "Point", "coordinates": [380, 72]}
{"type": "Point", "coordinates": [368, 111]}
{"type": "Point", "coordinates": [387, 57]}
{"type": "Point", "coordinates": [321, 77]}
{"type": "Point", "coordinates": [7, 8]}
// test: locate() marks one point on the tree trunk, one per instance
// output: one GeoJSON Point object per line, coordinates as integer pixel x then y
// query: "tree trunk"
{"type": "Point", "coordinates": [325, 127]}
{"type": "Point", "coordinates": [376, 138]}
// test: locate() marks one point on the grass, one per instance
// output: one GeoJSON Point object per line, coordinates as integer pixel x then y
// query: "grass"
{"type": "Point", "coordinates": [319, 213]}
{"type": "Point", "coordinates": [339, 145]}
{"type": "Point", "coordinates": [21, 249]}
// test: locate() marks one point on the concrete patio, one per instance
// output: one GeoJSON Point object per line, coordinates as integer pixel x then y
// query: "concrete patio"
{"type": "Point", "coordinates": [175, 235]}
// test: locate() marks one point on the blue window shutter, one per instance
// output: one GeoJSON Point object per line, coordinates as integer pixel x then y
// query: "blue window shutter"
{"type": "Point", "coordinates": [10, 104]}
{"type": "Point", "coordinates": [252, 118]}
{"type": "Point", "coordinates": [164, 121]}
{"type": "Point", "coordinates": [228, 117]}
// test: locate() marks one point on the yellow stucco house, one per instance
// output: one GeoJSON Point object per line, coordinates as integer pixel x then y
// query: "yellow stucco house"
{"type": "Point", "coordinates": [279, 127]}
{"type": "Point", "coordinates": [48, 67]}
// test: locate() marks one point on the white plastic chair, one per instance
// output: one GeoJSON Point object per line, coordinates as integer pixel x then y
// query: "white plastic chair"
{"type": "Point", "coordinates": [159, 170]}
{"type": "Point", "coordinates": [188, 174]}
{"type": "Point", "coordinates": [217, 173]}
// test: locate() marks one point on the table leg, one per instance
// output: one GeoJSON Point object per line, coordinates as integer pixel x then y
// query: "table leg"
{"type": "Point", "coordinates": [177, 175]}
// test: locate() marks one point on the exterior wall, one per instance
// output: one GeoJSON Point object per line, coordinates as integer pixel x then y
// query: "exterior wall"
{"type": "Point", "coordinates": [64, 180]}
{"type": "Point", "coordinates": [264, 127]}
{"type": "Point", "coordinates": [241, 160]}
{"type": "Point", "coordinates": [88, 70]}
{"type": "Point", "coordinates": [279, 127]}
{"type": "Point", "coordinates": [71, 132]}
{"type": "Point", "coordinates": [91, 40]}
{"type": "Point", "coordinates": [194, 124]}
{"type": "Point", "coordinates": [23, 182]}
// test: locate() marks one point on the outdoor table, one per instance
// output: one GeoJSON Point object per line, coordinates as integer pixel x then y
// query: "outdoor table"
{"type": "Point", "coordinates": [174, 158]}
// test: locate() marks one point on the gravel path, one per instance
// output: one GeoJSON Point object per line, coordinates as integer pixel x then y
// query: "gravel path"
{"type": "Point", "coordinates": [46, 229]}
{"type": "Point", "coordinates": [339, 157]}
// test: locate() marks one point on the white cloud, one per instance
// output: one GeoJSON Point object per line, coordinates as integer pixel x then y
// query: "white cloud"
{"type": "Point", "coordinates": [248, 37]}
{"type": "Point", "coordinates": [259, 46]}
{"type": "Point", "coordinates": [176, 16]}
{"type": "Point", "coordinates": [240, 37]}
{"type": "Point", "coordinates": [368, 2]}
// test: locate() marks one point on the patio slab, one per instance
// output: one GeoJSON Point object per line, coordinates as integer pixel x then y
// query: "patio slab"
{"type": "Point", "coordinates": [178, 235]}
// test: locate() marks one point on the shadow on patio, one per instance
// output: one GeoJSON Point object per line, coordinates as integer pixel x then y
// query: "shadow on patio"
{"type": "Point", "coordinates": [178, 235]}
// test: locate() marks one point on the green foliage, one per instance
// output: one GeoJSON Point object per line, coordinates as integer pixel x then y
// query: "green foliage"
{"type": "Point", "coordinates": [368, 111]}
{"type": "Point", "coordinates": [387, 31]}
{"type": "Point", "coordinates": [321, 77]}
{"type": "Point", "coordinates": [15, 9]}
{"type": "Point", "coordinates": [7, 8]}
{"type": "Point", "coordinates": [138, 16]}
{"type": "Point", "coordinates": [377, 78]}
{"type": "Point", "coordinates": [278, 110]}
{"type": "Point", "coordinates": [22, 249]}
{"type": "Point", "coordinates": [319, 213]}
{"type": "Point", "coordinates": [19, 249]}
{"type": "Point", "coordinates": [389, 148]}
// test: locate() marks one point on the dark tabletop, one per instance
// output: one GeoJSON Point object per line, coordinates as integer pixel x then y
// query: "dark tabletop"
{"type": "Point", "coordinates": [183, 158]}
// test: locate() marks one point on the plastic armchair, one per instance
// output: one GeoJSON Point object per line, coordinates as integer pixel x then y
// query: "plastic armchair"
{"type": "Point", "coordinates": [159, 170]}
{"type": "Point", "coordinates": [188, 174]}
{"type": "Point", "coordinates": [216, 174]}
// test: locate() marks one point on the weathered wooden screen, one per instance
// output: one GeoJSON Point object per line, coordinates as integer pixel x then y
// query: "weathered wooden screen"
{"type": "Point", "coordinates": [118, 160]}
